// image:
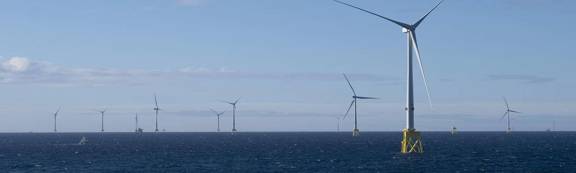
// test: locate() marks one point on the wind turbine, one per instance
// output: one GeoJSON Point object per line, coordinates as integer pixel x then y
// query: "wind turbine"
{"type": "Point", "coordinates": [137, 129]}
{"type": "Point", "coordinates": [102, 115]}
{"type": "Point", "coordinates": [507, 114]}
{"type": "Point", "coordinates": [156, 109]}
{"type": "Point", "coordinates": [412, 142]}
{"type": "Point", "coordinates": [56, 115]}
{"type": "Point", "coordinates": [218, 114]}
{"type": "Point", "coordinates": [233, 113]}
{"type": "Point", "coordinates": [354, 103]}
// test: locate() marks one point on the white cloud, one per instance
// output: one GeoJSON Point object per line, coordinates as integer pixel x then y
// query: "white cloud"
{"type": "Point", "coordinates": [16, 64]}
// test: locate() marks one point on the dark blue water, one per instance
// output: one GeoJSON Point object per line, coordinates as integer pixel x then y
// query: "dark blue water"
{"type": "Point", "coordinates": [287, 152]}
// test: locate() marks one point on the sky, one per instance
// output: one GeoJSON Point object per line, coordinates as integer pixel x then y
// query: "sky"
{"type": "Point", "coordinates": [284, 60]}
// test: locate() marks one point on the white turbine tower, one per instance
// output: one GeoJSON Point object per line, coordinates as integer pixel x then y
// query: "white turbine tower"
{"type": "Point", "coordinates": [156, 109]}
{"type": "Point", "coordinates": [355, 98]}
{"type": "Point", "coordinates": [507, 115]}
{"type": "Point", "coordinates": [136, 123]}
{"type": "Point", "coordinates": [412, 142]}
{"type": "Point", "coordinates": [233, 113]}
{"type": "Point", "coordinates": [218, 114]}
{"type": "Point", "coordinates": [56, 115]}
{"type": "Point", "coordinates": [102, 119]}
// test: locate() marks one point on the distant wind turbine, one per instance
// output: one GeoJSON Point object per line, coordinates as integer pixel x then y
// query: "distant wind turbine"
{"type": "Point", "coordinates": [218, 114]}
{"type": "Point", "coordinates": [233, 113]}
{"type": "Point", "coordinates": [507, 114]}
{"type": "Point", "coordinates": [412, 141]}
{"type": "Point", "coordinates": [156, 109]}
{"type": "Point", "coordinates": [137, 129]}
{"type": "Point", "coordinates": [354, 103]}
{"type": "Point", "coordinates": [56, 115]}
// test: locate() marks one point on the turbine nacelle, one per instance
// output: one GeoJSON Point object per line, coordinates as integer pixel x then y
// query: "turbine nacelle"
{"type": "Point", "coordinates": [406, 30]}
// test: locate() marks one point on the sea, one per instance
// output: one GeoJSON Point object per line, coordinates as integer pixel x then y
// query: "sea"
{"type": "Point", "coordinates": [329, 152]}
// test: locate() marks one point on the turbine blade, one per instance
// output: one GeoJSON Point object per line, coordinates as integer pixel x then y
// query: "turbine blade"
{"type": "Point", "coordinates": [155, 100]}
{"type": "Point", "coordinates": [349, 84]}
{"type": "Point", "coordinates": [226, 102]}
{"type": "Point", "coordinates": [506, 101]}
{"type": "Point", "coordinates": [237, 100]}
{"type": "Point", "coordinates": [424, 17]}
{"type": "Point", "coordinates": [503, 116]}
{"type": "Point", "coordinates": [515, 111]}
{"type": "Point", "coordinates": [393, 21]}
{"type": "Point", "coordinates": [349, 107]}
{"type": "Point", "coordinates": [415, 45]}
{"type": "Point", "coordinates": [213, 111]}
{"type": "Point", "coordinates": [370, 98]}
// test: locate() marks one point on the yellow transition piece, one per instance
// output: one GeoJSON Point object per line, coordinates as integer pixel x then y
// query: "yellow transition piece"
{"type": "Point", "coordinates": [411, 142]}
